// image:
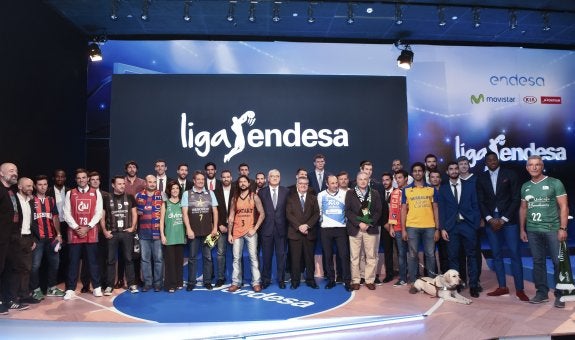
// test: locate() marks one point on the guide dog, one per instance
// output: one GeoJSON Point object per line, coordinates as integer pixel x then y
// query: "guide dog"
{"type": "Point", "coordinates": [442, 286]}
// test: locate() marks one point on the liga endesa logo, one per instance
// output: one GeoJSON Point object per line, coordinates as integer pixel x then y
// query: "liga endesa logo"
{"type": "Point", "coordinates": [203, 141]}
{"type": "Point", "coordinates": [550, 100]}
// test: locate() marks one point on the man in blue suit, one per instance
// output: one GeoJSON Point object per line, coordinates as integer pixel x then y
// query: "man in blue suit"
{"type": "Point", "coordinates": [274, 228]}
{"type": "Point", "coordinates": [317, 176]}
{"type": "Point", "coordinates": [458, 222]}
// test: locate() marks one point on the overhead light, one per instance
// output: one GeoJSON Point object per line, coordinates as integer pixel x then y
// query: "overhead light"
{"type": "Point", "coordinates": [276, 11]}
{"type": "Point", "coordinates": [476, 18]}
{"type": "Point", "coordinates": [512, 19]}
{"type": "Point", "coordinates": [310, 17]}
{"type": "Point", "coordinates": [441, 16]}
{"type": "Point", "coordinates": [231, 11]}
{"type": "Point", "coordinates": [405, 58]}
{"type": "Point", "coordinates": [187, 5]}
{"type": "Point", "coordinates": [546, 26]}
{"type": "Point", "coordinates": [145, 7]}
{"type": "Point", "coordinates": [252, 11]}
{"type": "Point", "coordinates": [350, 19]}
{"type": "Point", "coordinates": [94, 52]}
{"type": "Point", "coordinates": [115, 5]}
{"type": "Point", "coordinates": [398, 14]}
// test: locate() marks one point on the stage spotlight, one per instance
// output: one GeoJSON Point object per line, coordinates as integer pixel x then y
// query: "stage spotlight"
{"type": "Point", "coordinates": [405, 58]}
{"type": "Point", "coordinates": [476, 18]}
{"type": "Point", "coordinates": [187, 5]}
{"type": "Point", "coordinates": [350, 19]}
{"type": "Point", "coordinates": [231, 11]}
{"type": "Point", "coordinates": [252, 11]}
{"type": "Point", "coordinates": [398, 14]}
{"type": "Point", "coordinates": [310, 17]}
{"type": "Point", "coordinates": [115, 5]}
{"type": "Point", "coordinates": [276, 11]}
{"type": "Point", "coordinates": [94, 52]}
{"type": "Point", "coordinates": [546, 26]}
{"type": "Point", "coordinates": [441, 16]}
{"type": "Point", "coordinates": [145, 8]}
{"type": "Point", "coordinates": [512, 19]}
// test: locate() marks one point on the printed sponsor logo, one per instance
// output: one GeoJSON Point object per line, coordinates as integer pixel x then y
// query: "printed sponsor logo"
{"type": "Point", "coordinates": [550, 100]}
{"type": "Point", "coordinates": [517, 80]}
{"type": "Point", "coordinates": [530, 99]}
{"type": "Point", "coordinates": [83, 205]}
{"type": "Point", "coordinates": [481, 98]}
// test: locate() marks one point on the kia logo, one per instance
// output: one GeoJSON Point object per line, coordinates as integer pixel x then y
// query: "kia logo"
{"type": "Point", "coordinates": [530, 100]}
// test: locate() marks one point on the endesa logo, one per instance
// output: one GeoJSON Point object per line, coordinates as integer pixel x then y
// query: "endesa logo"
{"type": "Point", "coordinates": [550, 100]}
{"type": "Point", "coordinates": [516, 80]}
{"type": "Point", "coordinates": [530, 99]}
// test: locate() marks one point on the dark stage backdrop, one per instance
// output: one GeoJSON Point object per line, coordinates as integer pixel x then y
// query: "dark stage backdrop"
{"type": "Point", "coordinates": [267, 121]}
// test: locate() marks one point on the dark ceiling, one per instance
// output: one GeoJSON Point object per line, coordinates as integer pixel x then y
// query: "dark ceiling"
{"type": "Point", "coordinates": [373, 21]}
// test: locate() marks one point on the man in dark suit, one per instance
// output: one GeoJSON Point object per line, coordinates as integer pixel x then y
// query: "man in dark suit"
{"type": "Point", "coordinates": [274, 228]}
{"type": "Point", "coordinates": [183, 181]}
{"type": "Point", "coordinates": [302, 212]}
{"type": "Point", "coordinates": [317, 176]}
{"type": "Point", "coordinates": [459, 221]}
{"type": "Point", "coordinates": [498, 191]}
{"type": "Point", "coordinates": [224, 194]}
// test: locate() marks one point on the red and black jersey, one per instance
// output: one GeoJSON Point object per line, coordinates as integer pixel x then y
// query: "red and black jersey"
{"type": "Point", "coordinates": [43, 212]}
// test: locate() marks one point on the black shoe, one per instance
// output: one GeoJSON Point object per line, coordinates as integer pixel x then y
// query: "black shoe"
{"type": "Point", "coordinates": [362, 281]}
{"type": "Point", "coordinates": [479, 288]}
{"type": "Point", "coordinates": [119, 284]}
{"type": "Point", "coordinates": [157, 289]}
{"type": "Point", "coordinates": [85, 289]}
{"type": "Point", "coordinates": [348, 287]}
{"type": "Point", "coordinates": [377, 281]}
{"type": "Point", "coordinates": [330, 285]}
{"type": "Point", "coordinates": [474, 292]}
{"type": "Point", "coordinates": [17, 306]}
{"type": "Point", "coordinates": [265, 285]}
{"type": "Point", "coordinates": [339, 279]}
{"type": "Point", "coordinates": [312, 284]}
{"type": "Point", "coordinates": [3, 309]}
{"type": "Point", "coordinates": [220, 282]}
{"type": "Point", "coordinates": [388, 278]}
{"type": "Point", "coordinates": [282, 285]}
{"type": "Point", "coordinates": [29, 300]}
{"type": "Point", "coordinates": [190, 287]}
{"type": "Point", "coordinates": [208, 286]}
{"type": "Point", "coordinates": [294, 285]}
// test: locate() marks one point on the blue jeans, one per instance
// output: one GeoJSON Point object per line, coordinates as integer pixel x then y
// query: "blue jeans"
{"type": "Point", "coordinates": [238, 247]}
{"type": "Point", "coordinates": [542, 243]}
{"type": "Point", "coordinates": [194, 246]}
{"type": "Point", "coordinates": [152, 250]}
{"type": "Point", "coordinates": [402, 256]}
{"type": "Point", "coordinates": [42, 249]}
{"type": "Point", "coordinates": [509, 235]}
{"type": "Point", "coordinates": [415, 237]}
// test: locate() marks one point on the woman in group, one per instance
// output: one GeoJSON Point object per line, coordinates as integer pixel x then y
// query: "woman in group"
{"type": "Point", "coordinates": [173, 237]}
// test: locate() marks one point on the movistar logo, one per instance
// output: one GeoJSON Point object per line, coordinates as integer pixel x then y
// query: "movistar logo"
{"type": "Point", "coordinates": [478, 99]}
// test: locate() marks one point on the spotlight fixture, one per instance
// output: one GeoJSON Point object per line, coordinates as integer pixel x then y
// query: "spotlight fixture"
{"type": "Point", "coordinates": [310, 17]}
{"type": "Point", "coordinates": [276, 11]}
{"type": "Point", "coordinates": [350, 19]}
{"type": "Point", "coordinates": [94, 52]}
{"type": "Point", "coordinates": [187, 5]}
{"type": "Point", "coordinates": [546, 26]}
{"type": "Point", "coordinates": [252, 11]}
{"type": "Point", "coordinates": [398, 14]}
{"type": "Point", "coordinates": [231, 11]}
{"type": "Point", "coordinates": [512, 19]}
{"type": "Point", "coordinates": [145, 7]}
{"type": "Point", "coordinates": [115, 5]}
{"type": "Point", "coordinates": [441, 16]}
{"type": "Point", "coordinates": [476, 17]}
{"type": "Point", "coordinates": [405, 58]}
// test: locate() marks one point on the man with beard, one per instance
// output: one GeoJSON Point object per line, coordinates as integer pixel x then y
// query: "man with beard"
{"type": "Point", "coordinates": [245, 207]}
{"type": "Point", "coordinates": [430, 164]}
{"type": "Point", "coordinates": [212, 183]}
{"type": "Point", "coordinates": [260, 181]}
{"type": "Point", "coordinates": [183, 181]}
{"type": "Point", "coordinates": [224, 194]}
{"type": "Point", "coordinates": [134, 184]}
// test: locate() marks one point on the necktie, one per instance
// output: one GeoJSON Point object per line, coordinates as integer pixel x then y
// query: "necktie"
{"type": "Point", "coordinates": [161, 184]}
{"type": "Point", "coordinates": [320, 179]}
{"type": "Point", "coordinates": [301, 201]}
{"type": "Point", "coordinates": [387, 194]}
{"type": "Point", "coordinates": [274, 198]}
{"type": "Point", "coordinates": [212, 185]}
{"type": "Point", "coordinates": [455, 193]}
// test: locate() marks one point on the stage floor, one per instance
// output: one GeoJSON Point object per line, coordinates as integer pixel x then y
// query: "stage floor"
{"type": "Point", "coordinates": [389, 312]}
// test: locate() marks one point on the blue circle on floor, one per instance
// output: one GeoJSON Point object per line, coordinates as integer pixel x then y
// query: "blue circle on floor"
{"type": "Point", "coordinates": [218, 305]}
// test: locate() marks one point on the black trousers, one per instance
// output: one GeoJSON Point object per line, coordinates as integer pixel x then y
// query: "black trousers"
{"type": "Point", "coordinates": [339, 237]}
{"type": "Point", "coordinates": [302, 248]}
{"type": "Point", "coordinates": [121, 245]}
{"type": "Point", "coordinates": [173, 266]}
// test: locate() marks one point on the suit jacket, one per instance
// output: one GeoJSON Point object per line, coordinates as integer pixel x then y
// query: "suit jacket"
{"type": "Point", "coordinates": [507, 199]}
{"type": "Point", "coordinates": [297, 217]}
{"type": "Point", "coordinates": [353, 211]}
{"type": "Point", "coordinates": [218, 184]}
{"type": "Point", "coordinates": [275, 221]}
{"type": "Point", "coordinates": [223, 209]}
{"type": "Point", "coordinates": [450, 209]}
{"type": "Point", "coordinates": [312, 177]}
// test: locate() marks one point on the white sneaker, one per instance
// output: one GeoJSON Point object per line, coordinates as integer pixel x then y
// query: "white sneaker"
{"type": "Point", "coordinates": [69, 294]}
{"type": "Point", "coordinates": [98, 292]}
{"type": "Point", "coordinates": [108, 291]}
{"type": "Point", "coordinates": [134, 289]}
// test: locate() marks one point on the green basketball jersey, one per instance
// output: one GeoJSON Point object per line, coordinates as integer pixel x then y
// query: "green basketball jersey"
{"type": "Point", "coordinates": [542, 208]}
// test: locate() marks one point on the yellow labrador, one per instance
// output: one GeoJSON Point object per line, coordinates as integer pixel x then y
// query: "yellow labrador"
{"type": "Point", "coordinates": [442, 286]}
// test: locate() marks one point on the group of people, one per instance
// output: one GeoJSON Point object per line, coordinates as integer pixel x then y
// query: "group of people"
{"type": "Point", "coordinates": [162, 216]}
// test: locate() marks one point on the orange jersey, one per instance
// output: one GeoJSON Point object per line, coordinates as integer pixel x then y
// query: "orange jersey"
{"type": "Point", "coordinates": [245, 217]}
